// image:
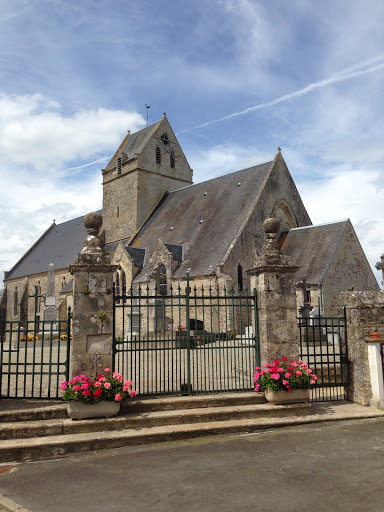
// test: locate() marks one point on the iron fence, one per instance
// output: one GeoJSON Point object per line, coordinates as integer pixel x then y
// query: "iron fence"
{"type": "Point", "coordinates": [34, 358]}
{"type": "Point", "coordinates": [186, 341]}
{"type": "Point", "coordinates": [323, 345]}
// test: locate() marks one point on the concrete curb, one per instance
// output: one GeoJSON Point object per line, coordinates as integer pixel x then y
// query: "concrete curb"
{"type": "Point", "coordinates": [10, 506]}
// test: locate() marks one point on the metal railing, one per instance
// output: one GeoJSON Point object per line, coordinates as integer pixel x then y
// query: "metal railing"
{"type": "Point", "coordinates": [34, 358]}
{"type": "Point", "coordinates": [187, 341]}
{"type": "Point", "coordinates": [323, 345]}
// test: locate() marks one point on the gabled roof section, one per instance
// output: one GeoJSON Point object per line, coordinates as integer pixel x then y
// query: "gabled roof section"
{"type": "Point", "coordinates": [59, 245]}
{"type": "Point", "coordinates": [313, 248]}
{"type": "Point", "coordinates": [137, 255]}
{"type": "Point", "coordinates": [133, 144]}
{"type": "Point", "coordinates": [203, 219]}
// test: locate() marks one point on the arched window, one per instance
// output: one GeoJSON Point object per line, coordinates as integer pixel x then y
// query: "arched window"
{"type": "Point", "coordinates": [117, 285]}
{"type": "Point", "coordinates": [161, 280]}
{"type": "Point", "coordinates": [123, 284]}
{"type": "Point", "coordinates": [172, 158]}
{"type": "Point", "coordinates": [119, 165]}
{"type": "Point", "coordinates": [158, 155]}
{"type": "Point", "coordinates": [38, 298]}
{"type": "Point", "coordinates": [240, 277]}
{"type": "Point", "coordinates": [15, 301]}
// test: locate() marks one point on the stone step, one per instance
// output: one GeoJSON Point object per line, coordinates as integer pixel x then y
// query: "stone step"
{"type": "Point", "coordinates": [38, 448]}
{"type": "Point", "coordinates": [66, 426]}
{"type": "Point", "coordinates": [139, 405]}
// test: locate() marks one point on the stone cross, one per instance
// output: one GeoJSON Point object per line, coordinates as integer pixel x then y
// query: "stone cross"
{"type": "Point", "coordinates": [380, 266]}
{"type": "Point", "coordinates": [50, 310]}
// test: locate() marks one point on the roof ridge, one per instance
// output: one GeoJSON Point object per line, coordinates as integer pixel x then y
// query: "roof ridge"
{"type": "Point", "coordinates": [319, 225]}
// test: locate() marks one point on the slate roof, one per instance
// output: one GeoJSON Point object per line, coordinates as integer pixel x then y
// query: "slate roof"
{"type": "Point", "coordinates": [221, 204]}
{"type": "Point", "coordinates": [313, 247]}
{"type": "Point", "coordinates": [59, 245]}
{"type": "Point", "coordinates": [134, 144]}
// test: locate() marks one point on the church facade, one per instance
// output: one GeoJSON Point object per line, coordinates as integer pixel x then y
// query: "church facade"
{"type": "Point", "coordinates": [158, 226]}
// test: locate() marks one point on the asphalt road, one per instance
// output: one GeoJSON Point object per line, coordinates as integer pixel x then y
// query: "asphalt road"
{"type": "Point", "coordinates": [335, 466]}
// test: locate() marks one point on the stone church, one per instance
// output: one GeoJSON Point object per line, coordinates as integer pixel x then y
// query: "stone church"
{"type": "Point", "coordinates": [158, 226]}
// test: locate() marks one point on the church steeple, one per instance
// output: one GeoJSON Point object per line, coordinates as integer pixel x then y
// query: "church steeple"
{"type": "Point", "coordinates": [147, 164]}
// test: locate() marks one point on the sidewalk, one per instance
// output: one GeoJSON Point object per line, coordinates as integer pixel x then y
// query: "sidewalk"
{"type": "Point", "coordinates": [327, 467]}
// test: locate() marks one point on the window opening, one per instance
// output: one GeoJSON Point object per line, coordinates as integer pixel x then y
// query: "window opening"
{"type": "Point", "coordinates": [164, 139]}
{"type": "Point", "coordinates": [161, 280]}
{"type": "Point", "coordinates": [15, 301]}
{"type": "Point", "coordinates": [240, 277]}
{"type": "Point", "coordinates": [124, 285]}
{"type": "Point", "coordinates": [172, 158]}
{"type": "Point", "coordinates": [117, 212]}
{"type": "Point", "coordinates": [158, 155]}
{"type": "Point", "coordinates": [119, 165]}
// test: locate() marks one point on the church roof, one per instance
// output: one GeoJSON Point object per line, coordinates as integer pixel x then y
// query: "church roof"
{"type": "Point", "coordinates": [313, 247]}
{"type": "Point", "coordinates": [203, 218]}
{"type": "Point", "coordinates": [133, 144]}
{"type": "Point", "coordinates": [59, 245]}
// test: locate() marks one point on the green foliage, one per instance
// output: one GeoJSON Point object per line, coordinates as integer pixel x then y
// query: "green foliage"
{"type": "Point", "coordinates": [86, 291]}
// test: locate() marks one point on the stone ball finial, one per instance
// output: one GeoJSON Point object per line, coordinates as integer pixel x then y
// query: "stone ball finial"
{"type": "Point", "coordinates": [93, 220]}
{"type": "Point", "coordinates": [271, 225]}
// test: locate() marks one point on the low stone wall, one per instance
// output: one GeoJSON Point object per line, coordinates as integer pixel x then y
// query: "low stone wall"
{"type": "Point", "coordinates": [365, 313]}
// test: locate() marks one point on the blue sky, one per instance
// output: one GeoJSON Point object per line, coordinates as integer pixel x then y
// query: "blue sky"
{"type": "Point", "coordinates": [237, 78]}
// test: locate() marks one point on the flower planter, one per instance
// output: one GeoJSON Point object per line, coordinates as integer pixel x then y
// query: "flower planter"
{"type": "Point", "coordinates": [82, 410]}
{"type": "Point", "coordinates": [287, 397]}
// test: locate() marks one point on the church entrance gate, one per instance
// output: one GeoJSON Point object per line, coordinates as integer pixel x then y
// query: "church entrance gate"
{"type": "Point", "coordinates": [34, 358]}
{"type": "Point", "coordinates": [188, 341]}
{"type": "Point", "coordinates": [324, 346]}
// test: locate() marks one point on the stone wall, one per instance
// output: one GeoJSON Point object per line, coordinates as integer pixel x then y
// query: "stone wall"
{"type": "Point", "coordinates": [278, 187]}
{"type": "Point", "coordinates": [365, 313]}
{"type": "Point", "coordinates": [349, 270]}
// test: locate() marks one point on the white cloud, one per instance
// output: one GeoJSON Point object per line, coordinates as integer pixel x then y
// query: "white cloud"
{"type": "Point", "coordinates": [224, 158]}
{"type": "Point", "coordinates": [37, 142]}
{"type": "Point", "coordinates": [35, 133]}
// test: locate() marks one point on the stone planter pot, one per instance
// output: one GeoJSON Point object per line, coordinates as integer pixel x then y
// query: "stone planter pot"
{"type": "Point", "coordinates": [287, 397]}
{"type": "Point", "coordinates": [103, 409]}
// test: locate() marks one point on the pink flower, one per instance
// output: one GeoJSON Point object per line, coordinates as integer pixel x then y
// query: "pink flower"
{"type": "Point", "coordinates": [128, 383]}
{"type": "Point", "coordinates": [257, 387]}
{"type": "Point", "coordinates": [258, 368]}
{"type": "Point", "coordinates": [76, 388]}
{"type": "Point", "coordinates": [313, 381]}
{"type": "Point", "coordinates": [275, 376]}
{"type": "Point", "coordinates": [71, 381]}
{"type": "Point", "coordinates": [97, 384]}
{"type": "Point", "coordinates": [267, 365]}
{"type": "Point", "coordinates": [102, 379]}
{"type": "Point", "coordinates": [133, 393]}
{"type": "Point", "coordinates": [76, 378]}
{"type": "Point", "coordinates": [313, 377]}
{"type": "Point", "coordinates": [125, 388]}
{"type": "Point", "coordinates": [120, 378]}
{"type": "Point", "coordinates": [64, 385]}
{"type": "Point", "coordinates": [280, 370]}
{"type": "Point", "coordinates": [309, 371]}
{"type": "Point", "coordinates": [298, 374]}
{"type": "Point", "coordinates": [286, 382]}
{"type": "Point", "coordinates": [118, 397]}
{"type": "Point", "coordinates": [107, 385]}
{"type": "Point", "coordinates": [115, 375]}
{"type": "Point", "coordinates": [107, 370]}
{"type": "Point", "coordinates": [287, 375]}
{"type": "Point", "coordinates": [84, 386]}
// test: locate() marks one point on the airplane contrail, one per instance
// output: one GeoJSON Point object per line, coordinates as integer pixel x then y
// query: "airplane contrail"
{"type": "Point", "coordinates": [346, 74]}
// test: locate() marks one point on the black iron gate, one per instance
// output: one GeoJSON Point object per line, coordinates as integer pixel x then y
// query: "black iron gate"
{"type": "Point", "coordinates": [34, 358]}
{"type": "Point", "coordinates": [186, 341]}
{"type": "Point", "coordinates": [323, 345]}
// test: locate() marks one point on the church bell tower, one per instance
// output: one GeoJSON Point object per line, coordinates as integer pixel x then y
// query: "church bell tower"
{"type": "Point", "coordinates": [147, 164]}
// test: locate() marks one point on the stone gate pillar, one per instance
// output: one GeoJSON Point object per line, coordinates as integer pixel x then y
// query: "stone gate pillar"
{"type": "Point", "coordinates": [273, 278]}
{"type": "Point", "coordinates": [92, 335]}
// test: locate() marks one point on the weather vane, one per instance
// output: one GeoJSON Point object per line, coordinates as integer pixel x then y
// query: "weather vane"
{"type": "Point", "coordinates": [148, 116]}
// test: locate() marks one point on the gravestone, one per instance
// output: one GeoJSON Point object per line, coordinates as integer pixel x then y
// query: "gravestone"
{"type": "Point", "coordinates": [50, 309]}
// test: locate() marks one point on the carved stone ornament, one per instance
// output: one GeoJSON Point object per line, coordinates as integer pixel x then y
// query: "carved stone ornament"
{"type": "Point", "coordinates": [92, 244]}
